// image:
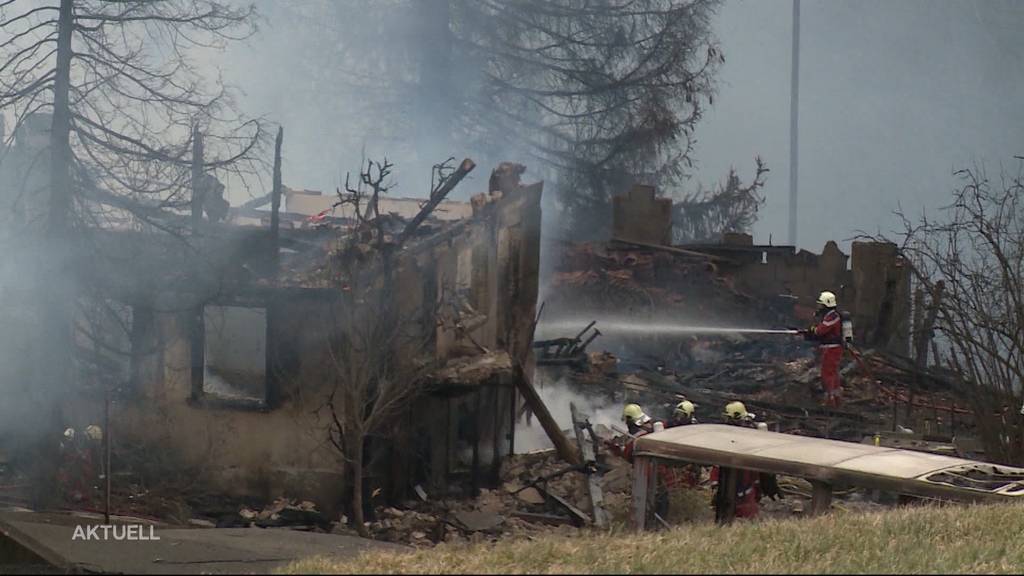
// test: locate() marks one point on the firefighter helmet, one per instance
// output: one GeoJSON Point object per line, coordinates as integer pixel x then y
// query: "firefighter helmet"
{"type": "Point", "coordinates": [684, 408]}
{"type": "Point", "coordinates": [827, 299]}
{"type": "Point", "coordinates": [632, 413]}
{"type": "Point", "coordinates": [737, 411]}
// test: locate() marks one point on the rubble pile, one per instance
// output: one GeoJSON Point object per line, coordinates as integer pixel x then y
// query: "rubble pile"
{"type": "Point", "coordinates": [778, 379]}
{"type": "Point", "coordinates": [285, 512]}
{"type": "Point", "coordinates": [534, 498]}
{"type": "Point", "coordinates": [616, 277]}
{"type": "Point", "coordinates": [523, 507]}
{"type": "Point", "coordinates": [776, 376]}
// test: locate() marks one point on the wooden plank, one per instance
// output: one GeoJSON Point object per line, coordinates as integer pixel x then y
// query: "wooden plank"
{"type": "Point", "coordinates": [640, 496]}
{"type": "Point", "coordinates": [586, 447]}
{"type": "Point", "coordinates": [652, 487]}
{"type": "Point", "coordinates": [674, 250]}
{"type": "Point", "coordinates": [597, 500]}
{"type": "Point", "coordinates": [579, 517]}
{"type": "Point", "coordinates": [725, 511]}
{"type": "Point", "coordinates": [550, 519]}
{"type": "Point", "coordinates": [259, 201]}
{"type": "Point", "coordinates": [436, 197]}
{"type": "Point", "coordinates": [662, 521]}
{"type": "Point", "coordinates": [438, 409]}
{"type": "Point", "coordinates": [821, 497]}
{"type": "Point", "coordinates": [476, 443]}
{"type": "Point", "coordinates": [565, 450]}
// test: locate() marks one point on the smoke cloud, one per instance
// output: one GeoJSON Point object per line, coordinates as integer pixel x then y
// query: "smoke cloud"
{"type": "Point", "coordinates": [894, 96]}
{"type": "Point", "coordinates": [556, 396]}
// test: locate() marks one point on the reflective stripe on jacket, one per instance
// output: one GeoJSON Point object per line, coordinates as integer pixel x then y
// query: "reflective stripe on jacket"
{"type": "Point", "coordinates": [830, 330]}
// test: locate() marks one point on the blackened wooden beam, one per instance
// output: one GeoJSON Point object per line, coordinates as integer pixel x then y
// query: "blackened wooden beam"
{"type": "Point", "coordinates": [449, 184]}
{"type": "Point", "coordinates": [565, 450]}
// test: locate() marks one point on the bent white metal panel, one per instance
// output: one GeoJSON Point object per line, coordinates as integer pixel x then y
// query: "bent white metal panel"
{"type": "Point", "coordinates": [902, 463]}
{"type": "Point", "coordinates": [832, 461]}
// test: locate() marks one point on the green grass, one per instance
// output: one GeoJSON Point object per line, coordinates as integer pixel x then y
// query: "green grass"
{"type": "Point", "coordinates": [949, 539]}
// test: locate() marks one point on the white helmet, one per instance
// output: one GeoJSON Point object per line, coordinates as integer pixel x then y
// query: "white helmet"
{"type": "Point", "coordinates": [827, 299]}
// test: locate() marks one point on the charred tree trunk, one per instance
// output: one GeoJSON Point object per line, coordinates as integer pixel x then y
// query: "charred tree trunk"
{"type": "Point", "coordinates": [57, 280]}
{"type": "Point", "coordinates": [197, 179]}
{"type": "Point", "coordinates": [56, 277]}
{"type": "Point", "coordinates": [275, 204]}
{"type": "Point", "coordinates": [357, 485]}
{"type": "Point", "coordinates": [196, 321]}
{"type": "Point", "coordinates": [60, 132]}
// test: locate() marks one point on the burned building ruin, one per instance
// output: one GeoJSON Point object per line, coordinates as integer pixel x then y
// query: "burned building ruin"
{"type": "Point", "coordinates": [226, 331]}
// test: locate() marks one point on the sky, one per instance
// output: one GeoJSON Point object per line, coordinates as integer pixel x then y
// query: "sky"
{"type": "Point", "coordinates": [894, 96]}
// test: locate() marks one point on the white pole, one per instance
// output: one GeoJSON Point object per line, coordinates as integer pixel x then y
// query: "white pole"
{"type": "Point", "coordinates": [794, 96]}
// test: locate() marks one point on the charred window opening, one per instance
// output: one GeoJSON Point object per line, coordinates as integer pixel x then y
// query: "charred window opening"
{"type": "Point", "coordinates": [235, 355]}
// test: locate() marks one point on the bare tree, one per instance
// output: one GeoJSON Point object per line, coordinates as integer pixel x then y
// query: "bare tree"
{"type": "Point", "coordinates": [971, 262]}
{"type": "Point", "coordinates": [377, 354]}
{"type": "Point", "coordinates": [375, 371]}
{"type": "Point", "coordinates": [605, 93]}
{"type": "Point", "coordinates": [602, 93]}
{"type": "Point", "coordinates": [732, 207]}
{"type": "Point", "coordinates": [124, 96]}
{"type": "Point", "coordinates": [364, 199]}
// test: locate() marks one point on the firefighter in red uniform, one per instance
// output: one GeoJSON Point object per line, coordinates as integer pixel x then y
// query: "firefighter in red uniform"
{"type": "Point", "coordinates": [748, 485]}
{"type": "Point", "coordinates": [683, 415]}
{"type": "Point", "coordinates": [640, 424]}
{"type": "Point", "coordinates": [828, 332]}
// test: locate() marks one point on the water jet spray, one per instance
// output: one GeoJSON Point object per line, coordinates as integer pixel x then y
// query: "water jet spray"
{"type": "Point", "coordinates": [667, 328]}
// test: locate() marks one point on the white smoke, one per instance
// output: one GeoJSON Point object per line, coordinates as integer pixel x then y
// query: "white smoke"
{"type": "Point", "coordinates": [556, 396]}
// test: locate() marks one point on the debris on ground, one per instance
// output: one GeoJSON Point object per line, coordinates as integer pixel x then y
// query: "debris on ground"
{"type": "Point", "coordinates": [885, 398]}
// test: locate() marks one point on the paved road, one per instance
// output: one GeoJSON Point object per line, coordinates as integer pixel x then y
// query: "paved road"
{"type": "Point", "coordinates": [178, 550]}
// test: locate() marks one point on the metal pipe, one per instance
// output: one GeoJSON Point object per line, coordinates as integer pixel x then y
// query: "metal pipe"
{"type": "Point", "coordinates": [106, 456]}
